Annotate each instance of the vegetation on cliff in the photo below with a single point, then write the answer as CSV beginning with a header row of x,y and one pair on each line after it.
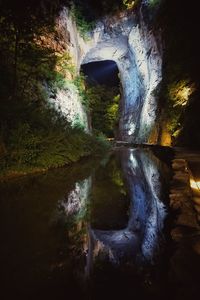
x,y
32,134
180,88
104,108
88,11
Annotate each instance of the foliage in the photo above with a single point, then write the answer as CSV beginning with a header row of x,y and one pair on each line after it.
x,y
179,92
112,114
130,4
64,64
79,82
154,3
84,26
90,11
62,76
93,9
178,95
181,70
44,140
32,134
78,123
103,104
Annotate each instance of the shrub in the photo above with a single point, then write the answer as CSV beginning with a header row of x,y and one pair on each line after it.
x,y
84,26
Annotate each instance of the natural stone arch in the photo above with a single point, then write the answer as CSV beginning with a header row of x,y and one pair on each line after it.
x,y
117,50
137,51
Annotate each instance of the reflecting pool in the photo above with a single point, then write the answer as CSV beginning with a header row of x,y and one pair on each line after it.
x,y
95,230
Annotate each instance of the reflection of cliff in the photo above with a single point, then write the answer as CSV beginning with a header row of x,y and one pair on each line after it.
x,y
76,200
141,238
147,211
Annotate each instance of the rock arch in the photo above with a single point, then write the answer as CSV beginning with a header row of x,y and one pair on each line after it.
x,y
137,51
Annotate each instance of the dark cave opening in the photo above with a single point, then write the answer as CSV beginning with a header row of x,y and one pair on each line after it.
x,y
103,92
101,72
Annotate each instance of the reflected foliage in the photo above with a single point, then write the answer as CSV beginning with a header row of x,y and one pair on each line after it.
x,y
109,210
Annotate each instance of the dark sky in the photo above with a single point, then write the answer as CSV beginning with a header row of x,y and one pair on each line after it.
x,y
102,72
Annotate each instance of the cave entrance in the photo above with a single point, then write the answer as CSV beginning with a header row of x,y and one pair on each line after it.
x,y
103,93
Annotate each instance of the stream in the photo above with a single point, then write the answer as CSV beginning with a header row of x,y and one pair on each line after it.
x,y
94,230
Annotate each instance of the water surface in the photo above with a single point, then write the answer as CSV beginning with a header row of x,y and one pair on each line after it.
x,y
91,231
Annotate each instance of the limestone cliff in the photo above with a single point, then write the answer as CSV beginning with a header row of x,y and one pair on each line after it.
x,y
129,40
67,40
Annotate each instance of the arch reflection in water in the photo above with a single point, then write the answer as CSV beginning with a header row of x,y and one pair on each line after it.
x,y
138,240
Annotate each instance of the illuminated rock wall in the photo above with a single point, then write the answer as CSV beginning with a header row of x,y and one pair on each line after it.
x,y
137,52
136,49
145,49
68,100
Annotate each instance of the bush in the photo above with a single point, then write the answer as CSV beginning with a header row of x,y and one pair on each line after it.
x,y
84,26
103,105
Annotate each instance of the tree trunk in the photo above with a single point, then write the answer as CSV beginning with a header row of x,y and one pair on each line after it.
x,y
15,62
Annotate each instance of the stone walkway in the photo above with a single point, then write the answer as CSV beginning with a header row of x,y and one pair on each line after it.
x,y
184,263
193,163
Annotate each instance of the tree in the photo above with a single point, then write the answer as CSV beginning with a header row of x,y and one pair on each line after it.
x,y
104,108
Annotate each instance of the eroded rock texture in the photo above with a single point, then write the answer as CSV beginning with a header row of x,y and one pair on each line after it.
x,y
129,41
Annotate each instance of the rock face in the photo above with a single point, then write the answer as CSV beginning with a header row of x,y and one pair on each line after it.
x,y
68,100
127,40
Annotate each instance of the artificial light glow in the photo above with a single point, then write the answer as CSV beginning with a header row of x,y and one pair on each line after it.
x,y
181,92
195,185
184,94
129,4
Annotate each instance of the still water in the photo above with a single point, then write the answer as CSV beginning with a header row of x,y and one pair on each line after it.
x,y
96,230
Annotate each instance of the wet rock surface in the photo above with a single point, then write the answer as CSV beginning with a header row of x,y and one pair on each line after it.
x,y
185,232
